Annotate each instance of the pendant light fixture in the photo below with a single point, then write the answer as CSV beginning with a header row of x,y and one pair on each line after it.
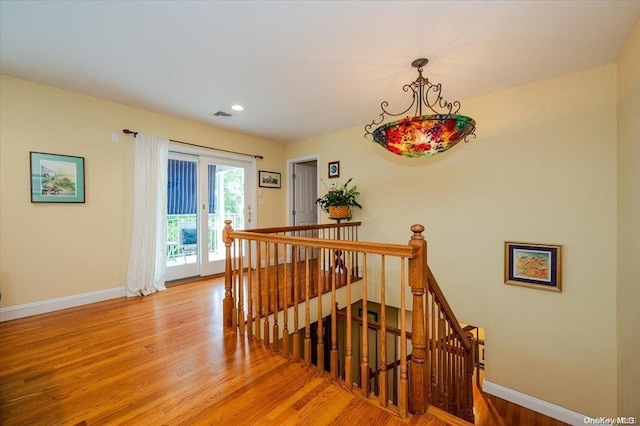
x,y
422,135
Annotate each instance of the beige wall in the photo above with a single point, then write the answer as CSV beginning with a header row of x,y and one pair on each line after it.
x,y
543,169
55,250
629,226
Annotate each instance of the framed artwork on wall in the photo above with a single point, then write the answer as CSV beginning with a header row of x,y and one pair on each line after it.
x,y
533,265
334,169
371,315
56,178
268,179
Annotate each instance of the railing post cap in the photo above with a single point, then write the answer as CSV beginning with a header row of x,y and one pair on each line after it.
x,y
417,230
227,221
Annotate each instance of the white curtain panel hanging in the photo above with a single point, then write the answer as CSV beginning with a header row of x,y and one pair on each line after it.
x,y
147,257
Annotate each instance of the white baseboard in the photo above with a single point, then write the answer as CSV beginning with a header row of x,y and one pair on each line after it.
x,y
535,404
29,309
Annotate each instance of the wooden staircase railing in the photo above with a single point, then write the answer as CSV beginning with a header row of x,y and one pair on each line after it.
x,y
276,300
451,357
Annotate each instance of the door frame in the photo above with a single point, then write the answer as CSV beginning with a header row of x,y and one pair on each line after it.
x,y
251,183
291,187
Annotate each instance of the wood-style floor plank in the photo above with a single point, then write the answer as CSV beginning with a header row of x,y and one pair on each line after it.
x,y
166,359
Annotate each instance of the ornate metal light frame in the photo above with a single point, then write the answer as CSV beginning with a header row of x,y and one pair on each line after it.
x,y
422,135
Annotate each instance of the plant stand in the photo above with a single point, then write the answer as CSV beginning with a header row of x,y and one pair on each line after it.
x,y
338,262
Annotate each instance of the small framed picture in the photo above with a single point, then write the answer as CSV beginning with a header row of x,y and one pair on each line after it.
x,y
269,179
334,169
533,265
371,315
56,178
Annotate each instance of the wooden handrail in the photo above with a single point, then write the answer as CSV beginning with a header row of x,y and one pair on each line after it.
x,y
438,296
439,369
303,227
357,246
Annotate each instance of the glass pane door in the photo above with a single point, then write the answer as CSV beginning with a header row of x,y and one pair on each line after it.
x,y
182,217
203,191
225,199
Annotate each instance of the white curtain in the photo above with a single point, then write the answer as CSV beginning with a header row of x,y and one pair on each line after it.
x,y
147,255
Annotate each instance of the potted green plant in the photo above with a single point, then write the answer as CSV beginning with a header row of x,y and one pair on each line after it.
x,y
338,202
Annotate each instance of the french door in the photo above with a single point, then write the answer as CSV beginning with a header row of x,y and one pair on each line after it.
x,y
203,191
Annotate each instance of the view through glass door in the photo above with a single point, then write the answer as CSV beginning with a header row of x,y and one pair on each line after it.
x,y
202,192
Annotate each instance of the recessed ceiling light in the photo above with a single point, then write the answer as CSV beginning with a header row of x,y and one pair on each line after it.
x,y
237,107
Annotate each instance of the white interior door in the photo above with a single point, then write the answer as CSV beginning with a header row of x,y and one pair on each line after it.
x,y
304,196
305,193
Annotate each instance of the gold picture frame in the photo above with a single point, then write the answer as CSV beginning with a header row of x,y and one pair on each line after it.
x,y
533,265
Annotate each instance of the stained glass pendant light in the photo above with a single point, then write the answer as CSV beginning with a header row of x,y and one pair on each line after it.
x,y
422,135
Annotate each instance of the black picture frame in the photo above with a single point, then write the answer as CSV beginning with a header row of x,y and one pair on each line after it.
x,y
533,265
333,171
267,179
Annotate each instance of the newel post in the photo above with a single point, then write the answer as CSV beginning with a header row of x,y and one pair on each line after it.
x,y
227,302
418,401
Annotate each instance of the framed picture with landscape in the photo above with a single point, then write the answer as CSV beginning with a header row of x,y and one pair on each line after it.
x,y
533,265
56,178
268,179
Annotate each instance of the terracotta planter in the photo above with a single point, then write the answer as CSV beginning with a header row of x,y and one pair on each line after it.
x,y
338,212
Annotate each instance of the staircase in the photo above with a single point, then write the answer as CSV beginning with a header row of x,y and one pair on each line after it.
x,y
291,279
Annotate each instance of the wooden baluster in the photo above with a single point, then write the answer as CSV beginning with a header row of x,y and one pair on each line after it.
x,y
227,302
321,265
320,334
453,390
356,266
461,375
468,383
338,263
348,361
447,365
395,375
266,339
382,387
403,388
285,330
333,359
251,292
441,360
259,318
276,327
457,375
364,366
307,322
417,281
432,354
296,299
241,317
316,286
234,318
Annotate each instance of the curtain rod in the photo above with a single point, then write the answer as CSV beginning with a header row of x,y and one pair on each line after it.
x,y
134,133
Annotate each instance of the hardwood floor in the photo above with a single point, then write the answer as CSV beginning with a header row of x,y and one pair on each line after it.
x,y
165,359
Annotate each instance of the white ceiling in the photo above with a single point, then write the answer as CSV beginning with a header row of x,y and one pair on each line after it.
x,y
301,68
